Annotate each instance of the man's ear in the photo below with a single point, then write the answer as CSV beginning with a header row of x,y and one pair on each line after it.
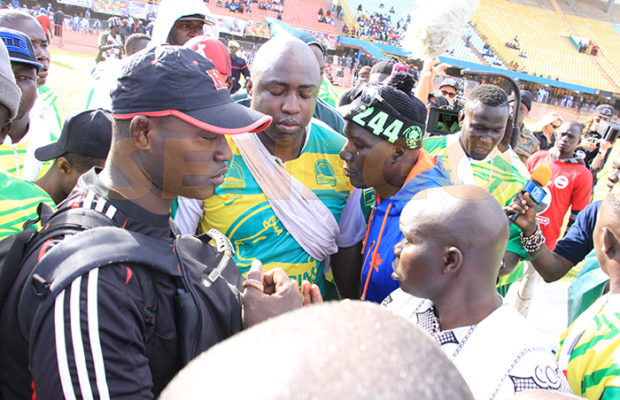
x,y
611,245
141,132
64,166
398,154
453,260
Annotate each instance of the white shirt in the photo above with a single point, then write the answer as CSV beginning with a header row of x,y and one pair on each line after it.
x,y
498,357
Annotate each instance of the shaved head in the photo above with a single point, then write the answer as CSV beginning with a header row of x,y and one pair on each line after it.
x,y
330,351
454,241
285,50
465,216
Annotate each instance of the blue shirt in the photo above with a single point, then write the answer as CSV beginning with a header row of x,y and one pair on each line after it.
x,y
384,229
238,67
578,241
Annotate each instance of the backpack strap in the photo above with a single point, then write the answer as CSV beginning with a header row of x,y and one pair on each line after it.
x,y
17,248
67,261
65,222
150,299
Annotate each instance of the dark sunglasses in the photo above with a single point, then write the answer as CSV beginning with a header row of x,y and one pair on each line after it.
x,y
445,93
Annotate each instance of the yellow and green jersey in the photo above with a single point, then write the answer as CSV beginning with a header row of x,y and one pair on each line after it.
x,y
18,203
44,128
589,351
327,93
240,209
497,174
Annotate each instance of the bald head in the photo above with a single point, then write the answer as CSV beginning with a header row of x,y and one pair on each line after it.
x,y
285,51
319,352
464,215
454,241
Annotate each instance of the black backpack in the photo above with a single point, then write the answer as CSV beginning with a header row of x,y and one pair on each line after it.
x,y
15,249
208,299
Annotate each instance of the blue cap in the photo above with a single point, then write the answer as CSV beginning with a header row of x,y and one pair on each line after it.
x,y
19,47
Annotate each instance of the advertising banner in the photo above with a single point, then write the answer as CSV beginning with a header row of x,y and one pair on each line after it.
x,y
231,25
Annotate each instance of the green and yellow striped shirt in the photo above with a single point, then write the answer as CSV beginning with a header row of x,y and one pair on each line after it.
x,y
589,351
18,203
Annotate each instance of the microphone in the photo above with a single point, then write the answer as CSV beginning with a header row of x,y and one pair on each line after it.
x,y
540,177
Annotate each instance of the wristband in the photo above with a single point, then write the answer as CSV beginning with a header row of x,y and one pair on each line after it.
x,y
533,244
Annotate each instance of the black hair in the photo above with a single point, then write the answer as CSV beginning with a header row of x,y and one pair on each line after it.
x,y
82,163
134,38
402,81
579,125
489,95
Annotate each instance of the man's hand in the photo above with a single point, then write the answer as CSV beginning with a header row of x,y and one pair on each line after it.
x,y
311,293
270,294
525,207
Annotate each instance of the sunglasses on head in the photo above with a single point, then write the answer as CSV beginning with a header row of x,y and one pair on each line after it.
x,y
445,93
371,95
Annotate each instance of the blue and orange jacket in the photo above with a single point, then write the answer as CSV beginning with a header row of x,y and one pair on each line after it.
x,y
384,230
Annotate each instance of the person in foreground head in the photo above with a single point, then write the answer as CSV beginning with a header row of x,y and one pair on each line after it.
x,y
383,152
472,157
447,265
286,199
403,364
170,143
591,345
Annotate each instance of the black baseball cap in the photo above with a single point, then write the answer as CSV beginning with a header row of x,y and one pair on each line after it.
x,y
526,99
88,133
19,47
176,81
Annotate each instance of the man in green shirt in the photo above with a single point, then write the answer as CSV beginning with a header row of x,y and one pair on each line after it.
x,y
18,198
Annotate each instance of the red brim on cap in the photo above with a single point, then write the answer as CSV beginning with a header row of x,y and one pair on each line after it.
x,y
231,118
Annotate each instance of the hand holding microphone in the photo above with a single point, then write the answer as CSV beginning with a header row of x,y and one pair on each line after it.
x,y
534,188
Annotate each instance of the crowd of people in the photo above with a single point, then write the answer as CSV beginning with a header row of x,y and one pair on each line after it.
x,y
176,222
377,25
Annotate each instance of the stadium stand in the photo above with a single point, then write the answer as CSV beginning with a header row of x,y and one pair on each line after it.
x,y
462,52
543,35
606,36
301,14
